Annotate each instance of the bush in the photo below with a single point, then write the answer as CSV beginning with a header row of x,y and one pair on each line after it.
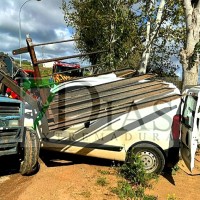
x,y
134,172
125,191
136,180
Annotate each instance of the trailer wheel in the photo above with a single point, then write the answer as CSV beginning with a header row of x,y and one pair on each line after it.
x,y
151,156
29,154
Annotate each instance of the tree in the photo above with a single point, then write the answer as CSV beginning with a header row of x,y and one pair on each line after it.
x,y
190,52
151,33
162,33
169,28
105,25
178,29
119,27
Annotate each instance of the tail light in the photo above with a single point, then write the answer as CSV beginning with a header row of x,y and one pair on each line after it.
x,y
176,127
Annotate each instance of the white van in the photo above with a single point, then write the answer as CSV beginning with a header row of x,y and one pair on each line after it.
x,y
149,126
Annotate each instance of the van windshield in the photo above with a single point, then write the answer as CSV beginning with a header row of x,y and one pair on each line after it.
x,y
189,110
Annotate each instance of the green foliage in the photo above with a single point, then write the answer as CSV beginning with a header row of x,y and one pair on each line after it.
x,y
126,191
102,181
134,172
105,25
119,28
103,172
169,40
150,197
136,180
175,169
195,54
171,197
45,72
85,194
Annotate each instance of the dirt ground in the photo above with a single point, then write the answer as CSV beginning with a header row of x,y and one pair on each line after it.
x,y
66,177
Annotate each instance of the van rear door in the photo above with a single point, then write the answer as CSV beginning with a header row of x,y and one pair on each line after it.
x,y
189,129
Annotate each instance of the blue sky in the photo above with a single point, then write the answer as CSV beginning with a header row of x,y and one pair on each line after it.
x,y
43,20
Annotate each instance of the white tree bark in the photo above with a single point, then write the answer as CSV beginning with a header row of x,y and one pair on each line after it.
x,y
190,66
150,36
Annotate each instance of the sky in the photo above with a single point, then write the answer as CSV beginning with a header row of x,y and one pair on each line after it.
x,y
42,20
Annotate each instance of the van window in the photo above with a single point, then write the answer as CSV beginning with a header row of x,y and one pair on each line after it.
x,y
189,110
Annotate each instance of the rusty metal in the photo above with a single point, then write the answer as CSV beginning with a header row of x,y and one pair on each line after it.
x,y
20,51
111,94
121,110
87,90
55,42
33,57
67,57
42,91
92,106
25,49
35,62
74,106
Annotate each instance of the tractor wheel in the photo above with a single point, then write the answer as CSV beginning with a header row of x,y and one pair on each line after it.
x,y
29,153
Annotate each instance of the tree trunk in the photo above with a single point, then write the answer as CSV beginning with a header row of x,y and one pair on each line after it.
x,y
151,36
189,55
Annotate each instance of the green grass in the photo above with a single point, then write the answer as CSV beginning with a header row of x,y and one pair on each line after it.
x,y
85,194
125,190
27,65
175,169
171,197
102,181
103,172
135,180
135,173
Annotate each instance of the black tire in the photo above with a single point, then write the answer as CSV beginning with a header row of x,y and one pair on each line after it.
x,y
29,153
152,157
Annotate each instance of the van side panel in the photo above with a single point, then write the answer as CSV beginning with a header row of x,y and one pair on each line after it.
x,y
113,136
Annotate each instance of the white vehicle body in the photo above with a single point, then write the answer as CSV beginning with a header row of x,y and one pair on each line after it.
x,y
114,137
190,126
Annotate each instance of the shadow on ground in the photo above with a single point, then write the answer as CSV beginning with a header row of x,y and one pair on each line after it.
x,y
56,159
9,165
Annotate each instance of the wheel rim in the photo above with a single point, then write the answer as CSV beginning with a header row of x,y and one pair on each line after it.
x,y
149,160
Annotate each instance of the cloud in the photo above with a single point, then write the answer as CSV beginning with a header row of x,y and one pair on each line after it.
x,y
43,20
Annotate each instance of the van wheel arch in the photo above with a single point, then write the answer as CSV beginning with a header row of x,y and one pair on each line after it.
x,y
152,155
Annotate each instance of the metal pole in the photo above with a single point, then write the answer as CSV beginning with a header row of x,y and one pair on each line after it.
x,y
20,35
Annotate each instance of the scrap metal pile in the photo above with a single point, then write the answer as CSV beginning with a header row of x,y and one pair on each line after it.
x,y
85,104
